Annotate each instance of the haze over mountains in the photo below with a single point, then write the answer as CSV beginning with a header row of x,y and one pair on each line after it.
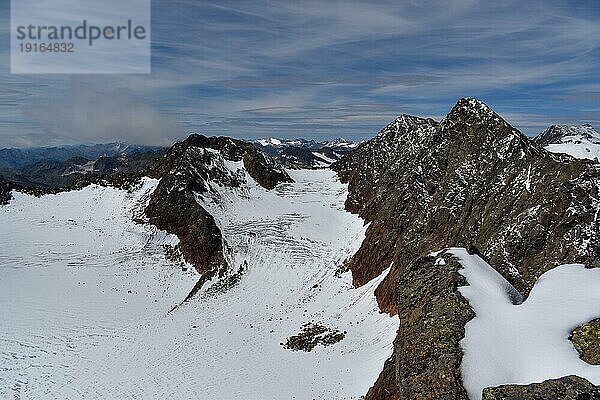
x,y
225,269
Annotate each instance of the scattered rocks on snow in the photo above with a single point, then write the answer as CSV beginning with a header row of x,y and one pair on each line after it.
x,y
312,335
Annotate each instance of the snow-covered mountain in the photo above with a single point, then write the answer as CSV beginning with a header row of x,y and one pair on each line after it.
x,y
577,141
302,153
339,143
214,272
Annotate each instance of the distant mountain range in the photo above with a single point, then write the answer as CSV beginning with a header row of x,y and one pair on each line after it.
x,y
302,153
60,166
18,158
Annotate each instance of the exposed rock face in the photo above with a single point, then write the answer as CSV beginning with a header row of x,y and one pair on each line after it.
x,y
586,340
185,172
566,388
470,181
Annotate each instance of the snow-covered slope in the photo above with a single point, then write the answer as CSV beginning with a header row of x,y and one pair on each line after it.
x,y
509,342
86,296
76,273
577,141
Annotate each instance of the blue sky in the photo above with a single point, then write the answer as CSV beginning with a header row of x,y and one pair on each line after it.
x,y
319,69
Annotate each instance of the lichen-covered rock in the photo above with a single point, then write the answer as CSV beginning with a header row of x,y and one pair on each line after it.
x,y
586,340
566,388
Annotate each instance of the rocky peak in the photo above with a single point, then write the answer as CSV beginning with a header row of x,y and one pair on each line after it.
x,y
193,154
471,108
471,123
407,122
471,181
189,169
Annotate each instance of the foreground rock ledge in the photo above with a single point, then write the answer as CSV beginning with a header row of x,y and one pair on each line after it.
x,y
427,355
566,388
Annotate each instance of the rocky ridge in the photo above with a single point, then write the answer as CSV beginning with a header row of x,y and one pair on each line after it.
x,y
470,181
568,387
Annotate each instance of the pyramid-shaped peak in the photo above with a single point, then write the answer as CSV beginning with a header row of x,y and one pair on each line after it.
x,y
472,112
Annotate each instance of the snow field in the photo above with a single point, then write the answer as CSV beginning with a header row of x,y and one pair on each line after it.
x,y
512,343
62,339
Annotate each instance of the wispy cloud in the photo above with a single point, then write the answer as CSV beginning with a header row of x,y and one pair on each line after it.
x,y
301,68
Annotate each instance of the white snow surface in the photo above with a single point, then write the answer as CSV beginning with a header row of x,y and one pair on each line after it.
x,y
524,343
70,328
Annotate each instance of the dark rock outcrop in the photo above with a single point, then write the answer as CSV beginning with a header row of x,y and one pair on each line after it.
x,y
471,181
566,388
586,340
186,171
312,335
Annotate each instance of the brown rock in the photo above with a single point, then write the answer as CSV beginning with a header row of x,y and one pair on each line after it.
x,y
586,340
